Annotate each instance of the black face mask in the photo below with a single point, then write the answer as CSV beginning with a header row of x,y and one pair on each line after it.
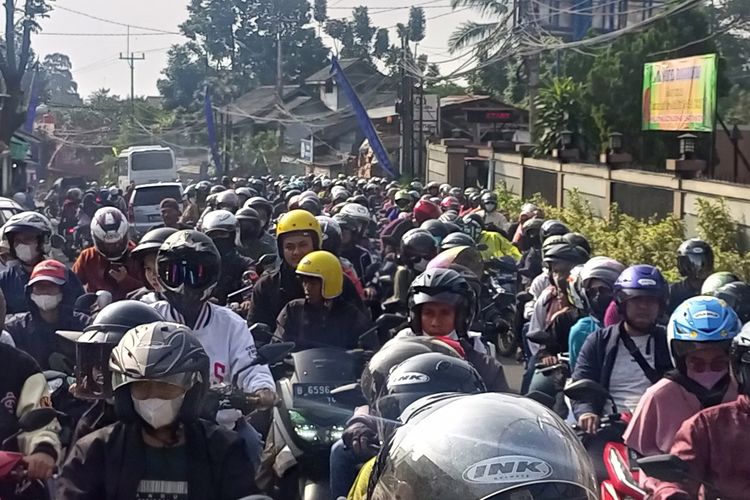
x,y
598,303
224,245
250,231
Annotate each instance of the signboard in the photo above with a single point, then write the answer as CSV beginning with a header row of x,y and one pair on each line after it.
x,y
491,115
680,94
306,150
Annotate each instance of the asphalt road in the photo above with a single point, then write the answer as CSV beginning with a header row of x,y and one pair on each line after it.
x,y
513,372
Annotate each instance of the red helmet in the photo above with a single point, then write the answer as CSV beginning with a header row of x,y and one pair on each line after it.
x,y
450,203
425,210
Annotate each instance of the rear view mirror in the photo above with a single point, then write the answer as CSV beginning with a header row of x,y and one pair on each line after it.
x,y
586,390
261,332
665,468
36,419
274,352
267,260
389,321
57,241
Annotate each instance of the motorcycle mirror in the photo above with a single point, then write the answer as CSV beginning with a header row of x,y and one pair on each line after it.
x,y
388,321
261,331
57,241
586,390
369,339
267,260
274,352
36,419
85,302
665,468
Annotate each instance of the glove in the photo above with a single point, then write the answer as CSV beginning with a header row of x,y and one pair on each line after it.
x,y
359,437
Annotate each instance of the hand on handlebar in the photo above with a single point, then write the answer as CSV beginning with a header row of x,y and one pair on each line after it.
x,y
263,398
359,437
589,422
39,466
549,361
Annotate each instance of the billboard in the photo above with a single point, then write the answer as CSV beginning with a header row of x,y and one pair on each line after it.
x,y
680,94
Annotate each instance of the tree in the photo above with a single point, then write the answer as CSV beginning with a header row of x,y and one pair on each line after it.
x,y
417,24
320,11
15,54
484,38
60,88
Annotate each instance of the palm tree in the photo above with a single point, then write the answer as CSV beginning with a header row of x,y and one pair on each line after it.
x,y
485,37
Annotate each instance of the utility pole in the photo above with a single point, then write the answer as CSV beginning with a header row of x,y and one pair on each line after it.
x,y
131,58
279,69
407,111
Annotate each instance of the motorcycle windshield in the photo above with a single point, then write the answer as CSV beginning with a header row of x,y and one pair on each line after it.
x,y
323,365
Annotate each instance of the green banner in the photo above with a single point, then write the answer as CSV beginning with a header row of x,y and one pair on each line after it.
x,y
680,94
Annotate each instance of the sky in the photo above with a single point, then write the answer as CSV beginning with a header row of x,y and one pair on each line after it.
x,y
96,61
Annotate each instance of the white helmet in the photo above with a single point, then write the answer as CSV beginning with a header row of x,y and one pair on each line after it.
x,y
109,230
219,220
28,221
357,212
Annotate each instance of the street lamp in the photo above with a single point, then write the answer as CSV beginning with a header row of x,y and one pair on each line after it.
x,y
615,142
687,146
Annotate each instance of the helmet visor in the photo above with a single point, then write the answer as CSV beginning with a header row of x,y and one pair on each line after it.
x,y
112,250
93,377
175,273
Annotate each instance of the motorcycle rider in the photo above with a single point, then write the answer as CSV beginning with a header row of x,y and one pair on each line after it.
x,y
24,389
221,226
332,243
354,220
145,253
51,309
297,234
93,347
417,249
700,333
718,280
158,447
630,356
170,215
492,218
264,209
496,246
322,318
695,261
713,441
255,242
737,296
28,235
530,244
108,264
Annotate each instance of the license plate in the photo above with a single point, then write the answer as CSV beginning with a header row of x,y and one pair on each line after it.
x,y
313,392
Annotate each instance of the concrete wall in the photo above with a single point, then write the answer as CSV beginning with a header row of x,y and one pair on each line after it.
x,y
638,193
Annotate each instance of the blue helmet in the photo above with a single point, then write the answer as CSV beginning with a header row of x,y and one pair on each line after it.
x,y
700,320
641,280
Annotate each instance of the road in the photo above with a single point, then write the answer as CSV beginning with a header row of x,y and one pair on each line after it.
x,y
513,372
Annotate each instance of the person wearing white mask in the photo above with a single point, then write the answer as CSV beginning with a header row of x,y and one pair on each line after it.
x,y
51,309
158,448
28,236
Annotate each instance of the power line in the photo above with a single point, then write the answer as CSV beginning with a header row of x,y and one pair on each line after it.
x,y
47,33
116,23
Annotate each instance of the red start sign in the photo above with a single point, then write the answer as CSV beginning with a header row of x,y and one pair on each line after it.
x,y
490,115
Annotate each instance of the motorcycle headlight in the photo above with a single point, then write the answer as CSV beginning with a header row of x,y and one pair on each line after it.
x,y
335,433
302,427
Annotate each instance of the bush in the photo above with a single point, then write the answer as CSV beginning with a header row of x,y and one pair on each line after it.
x,y
636,241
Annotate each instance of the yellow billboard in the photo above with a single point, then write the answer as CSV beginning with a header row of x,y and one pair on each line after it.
x,y
680,94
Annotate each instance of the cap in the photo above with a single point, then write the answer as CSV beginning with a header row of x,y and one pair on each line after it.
x,y
169,203
49,270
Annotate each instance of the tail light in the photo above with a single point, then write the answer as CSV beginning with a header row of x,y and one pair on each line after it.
x,y
71,230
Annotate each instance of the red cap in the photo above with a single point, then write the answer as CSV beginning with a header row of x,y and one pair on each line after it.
x,y
49,270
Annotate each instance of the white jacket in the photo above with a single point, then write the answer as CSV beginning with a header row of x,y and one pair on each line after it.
x,y
229,344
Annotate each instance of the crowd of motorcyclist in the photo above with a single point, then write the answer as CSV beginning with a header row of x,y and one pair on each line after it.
x,y
149,327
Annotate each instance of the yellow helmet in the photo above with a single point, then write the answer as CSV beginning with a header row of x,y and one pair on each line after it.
x,y
327,267
299,220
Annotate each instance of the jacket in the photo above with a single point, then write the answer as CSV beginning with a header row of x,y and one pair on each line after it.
x,y
597,358
228,343
277,288
233,265
359,258
108,464
93,270
308,326
490,369
497,246
23,388
13,282
255,249
714,444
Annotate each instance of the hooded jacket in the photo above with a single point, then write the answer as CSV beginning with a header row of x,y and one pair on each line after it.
x,y
14,279
36,337
108,464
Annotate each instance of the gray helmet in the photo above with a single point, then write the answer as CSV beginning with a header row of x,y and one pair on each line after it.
x,y
228,200
491,446
160,351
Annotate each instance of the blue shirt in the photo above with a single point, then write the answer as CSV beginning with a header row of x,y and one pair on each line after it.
x,y
577,336
14,279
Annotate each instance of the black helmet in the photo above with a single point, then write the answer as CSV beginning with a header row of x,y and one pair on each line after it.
x,y
311,204
250,223
261,205
395,351
737,296
151,241
424,375
486,445
490,197
418,244
552,227
437,229
454,240
95,343
695,258
331,234
188,264
565,252
445,286
473,225
160,351
579,240
739,356
530,233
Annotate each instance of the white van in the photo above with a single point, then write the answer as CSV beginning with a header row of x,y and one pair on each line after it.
x,y
146,164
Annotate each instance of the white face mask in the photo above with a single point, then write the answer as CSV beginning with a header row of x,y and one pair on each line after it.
x,y
26,253
158,412
46,302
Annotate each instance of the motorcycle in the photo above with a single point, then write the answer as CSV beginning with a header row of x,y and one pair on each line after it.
x,y
615,465
498,305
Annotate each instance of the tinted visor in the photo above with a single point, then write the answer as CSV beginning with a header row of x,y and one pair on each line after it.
x,y
93,378
175,273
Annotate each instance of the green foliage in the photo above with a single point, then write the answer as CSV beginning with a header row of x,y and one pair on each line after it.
x,y
559,107
636,241
417,24
257,155
320,11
